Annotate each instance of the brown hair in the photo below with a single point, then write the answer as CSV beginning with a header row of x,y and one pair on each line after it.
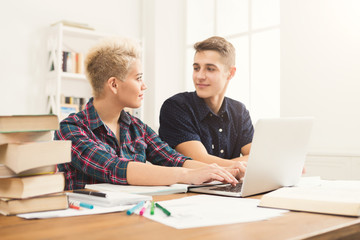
x,y
220,45
111,57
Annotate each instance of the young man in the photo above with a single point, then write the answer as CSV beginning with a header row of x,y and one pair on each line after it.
x,y
205,124
109,145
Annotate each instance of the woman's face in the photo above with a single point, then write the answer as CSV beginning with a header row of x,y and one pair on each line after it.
x,y
131,91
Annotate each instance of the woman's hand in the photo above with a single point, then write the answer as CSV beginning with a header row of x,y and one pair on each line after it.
x,y
212,172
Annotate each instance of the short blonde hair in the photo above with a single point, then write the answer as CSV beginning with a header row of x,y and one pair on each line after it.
x,y
111,57
220,45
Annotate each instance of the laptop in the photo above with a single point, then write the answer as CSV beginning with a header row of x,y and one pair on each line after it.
x,y
276,159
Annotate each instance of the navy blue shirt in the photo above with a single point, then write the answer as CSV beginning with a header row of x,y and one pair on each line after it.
x,y
186,117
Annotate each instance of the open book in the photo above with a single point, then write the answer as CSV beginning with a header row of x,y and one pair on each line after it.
x,y
109,199
146,190
331,197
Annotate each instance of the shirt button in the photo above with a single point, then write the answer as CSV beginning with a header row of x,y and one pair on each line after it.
x,y
210,115
221,151
220,129
212,146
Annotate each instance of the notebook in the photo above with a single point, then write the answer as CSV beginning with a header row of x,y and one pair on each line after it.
x,y
276,159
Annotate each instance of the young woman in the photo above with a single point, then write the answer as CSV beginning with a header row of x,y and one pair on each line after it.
x,y
110,145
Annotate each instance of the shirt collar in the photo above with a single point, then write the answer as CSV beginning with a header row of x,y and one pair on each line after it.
x,y
204,110
95,120
92,115
124,117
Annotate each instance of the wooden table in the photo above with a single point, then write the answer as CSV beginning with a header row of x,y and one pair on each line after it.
x,y
292,225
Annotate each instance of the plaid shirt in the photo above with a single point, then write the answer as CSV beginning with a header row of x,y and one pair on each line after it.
x,y
96,154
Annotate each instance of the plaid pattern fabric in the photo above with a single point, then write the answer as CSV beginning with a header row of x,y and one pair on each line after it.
x,y
97,156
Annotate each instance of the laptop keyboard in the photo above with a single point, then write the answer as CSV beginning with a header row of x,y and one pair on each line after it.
x,y
229,188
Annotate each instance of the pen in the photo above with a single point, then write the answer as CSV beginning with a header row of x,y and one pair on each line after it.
x,y
163,209
131,210
74,207
81,204
152,208
97,194
144,208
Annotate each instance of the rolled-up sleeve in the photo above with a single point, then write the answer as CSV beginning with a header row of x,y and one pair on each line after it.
x,y
160,153
176,124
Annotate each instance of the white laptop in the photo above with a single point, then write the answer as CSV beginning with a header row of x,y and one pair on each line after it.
x,y
276,159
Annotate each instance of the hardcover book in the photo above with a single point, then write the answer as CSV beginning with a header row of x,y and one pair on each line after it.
x,y
24,156
31,136
315,199
24,123
6,172
35,204
25,187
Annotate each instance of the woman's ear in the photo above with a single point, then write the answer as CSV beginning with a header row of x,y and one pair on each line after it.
x,y
112,85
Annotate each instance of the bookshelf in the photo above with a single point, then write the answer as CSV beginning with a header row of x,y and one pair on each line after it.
x,y
67,88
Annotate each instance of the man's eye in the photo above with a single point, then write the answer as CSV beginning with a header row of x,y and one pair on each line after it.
x,y
211,69
196,69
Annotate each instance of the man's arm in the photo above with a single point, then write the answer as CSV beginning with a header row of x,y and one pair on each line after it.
x,y
196,150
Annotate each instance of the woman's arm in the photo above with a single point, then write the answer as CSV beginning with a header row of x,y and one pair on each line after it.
x,y
192,172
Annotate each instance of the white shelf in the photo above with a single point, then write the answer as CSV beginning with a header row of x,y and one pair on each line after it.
x,y
74,76
67,39
59,84
83,33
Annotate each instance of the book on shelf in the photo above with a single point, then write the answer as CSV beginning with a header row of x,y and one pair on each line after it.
x,y
57,201
31,186
25,123
70,104
66,109
318,199
24,156
30,136
6,172
109,199
72,62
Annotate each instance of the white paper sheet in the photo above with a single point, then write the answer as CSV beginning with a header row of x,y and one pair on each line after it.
x,y
145,190
73,212
206,210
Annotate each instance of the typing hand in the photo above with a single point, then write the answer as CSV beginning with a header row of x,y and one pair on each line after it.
x,y
240,167
212,172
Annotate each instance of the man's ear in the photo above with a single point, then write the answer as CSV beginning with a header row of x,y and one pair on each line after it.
x,y
232,72
112,85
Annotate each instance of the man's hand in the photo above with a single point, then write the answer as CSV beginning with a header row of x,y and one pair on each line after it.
x,y
240,167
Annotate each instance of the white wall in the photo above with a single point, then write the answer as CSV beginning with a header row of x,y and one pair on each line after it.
x,y
23,55
159,23
320,70
320,77
164,40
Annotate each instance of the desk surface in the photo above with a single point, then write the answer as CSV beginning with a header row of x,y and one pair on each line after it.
x,y
292,225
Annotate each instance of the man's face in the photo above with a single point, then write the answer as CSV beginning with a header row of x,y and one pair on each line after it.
x,y
210,75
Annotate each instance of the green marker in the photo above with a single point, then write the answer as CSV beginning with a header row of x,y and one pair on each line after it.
x,y
152,208
163,209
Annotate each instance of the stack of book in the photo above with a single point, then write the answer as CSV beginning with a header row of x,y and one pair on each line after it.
x,y
73,62
28,159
